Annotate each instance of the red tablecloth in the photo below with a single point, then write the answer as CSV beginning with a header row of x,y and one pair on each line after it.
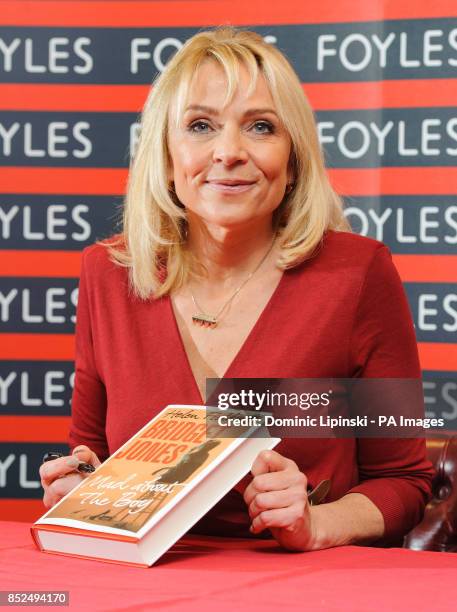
x,y
207,573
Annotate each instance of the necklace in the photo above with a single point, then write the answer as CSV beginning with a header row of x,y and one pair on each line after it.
x,y
207,320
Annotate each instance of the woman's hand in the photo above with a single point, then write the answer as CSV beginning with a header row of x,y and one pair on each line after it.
x,y
277,499
60,476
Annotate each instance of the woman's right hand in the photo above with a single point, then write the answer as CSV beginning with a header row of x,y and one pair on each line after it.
x,y
60,476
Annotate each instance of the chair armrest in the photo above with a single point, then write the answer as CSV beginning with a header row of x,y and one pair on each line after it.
x,y
438,529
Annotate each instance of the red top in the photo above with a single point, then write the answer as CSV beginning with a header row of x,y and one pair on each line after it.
x,y
343,313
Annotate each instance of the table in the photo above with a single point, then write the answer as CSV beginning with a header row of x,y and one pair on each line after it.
x,y
209,573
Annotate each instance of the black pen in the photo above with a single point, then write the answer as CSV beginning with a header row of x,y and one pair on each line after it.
x,y
82,467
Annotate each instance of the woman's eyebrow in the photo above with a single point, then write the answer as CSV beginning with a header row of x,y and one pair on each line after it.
x,y
214,111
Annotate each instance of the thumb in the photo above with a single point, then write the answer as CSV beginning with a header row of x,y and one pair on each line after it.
x,y
268,461
83,453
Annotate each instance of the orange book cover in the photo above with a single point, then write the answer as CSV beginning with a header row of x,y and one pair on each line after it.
x,y
145,478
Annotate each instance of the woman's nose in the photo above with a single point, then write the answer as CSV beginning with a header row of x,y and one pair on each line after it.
x,y
228,147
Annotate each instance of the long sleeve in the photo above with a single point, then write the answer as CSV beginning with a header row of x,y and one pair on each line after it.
x,y
394,474
130,363
88,406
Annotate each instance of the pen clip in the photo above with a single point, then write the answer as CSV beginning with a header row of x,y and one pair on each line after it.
x,y
319,493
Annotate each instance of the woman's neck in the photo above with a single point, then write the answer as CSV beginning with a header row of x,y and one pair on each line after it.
x,y
229,254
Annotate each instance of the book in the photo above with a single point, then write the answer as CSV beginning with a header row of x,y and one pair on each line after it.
x,y
155,487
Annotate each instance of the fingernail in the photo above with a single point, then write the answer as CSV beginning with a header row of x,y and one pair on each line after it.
x,y
79,450
72,461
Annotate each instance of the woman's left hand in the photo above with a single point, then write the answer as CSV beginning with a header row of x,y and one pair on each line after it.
x,y
277,499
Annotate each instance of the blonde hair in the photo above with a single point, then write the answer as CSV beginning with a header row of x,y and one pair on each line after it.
x,y
154,222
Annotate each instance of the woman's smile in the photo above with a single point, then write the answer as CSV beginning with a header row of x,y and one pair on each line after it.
x,y
230,186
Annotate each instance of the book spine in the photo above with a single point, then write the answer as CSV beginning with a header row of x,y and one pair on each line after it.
x,y
36,537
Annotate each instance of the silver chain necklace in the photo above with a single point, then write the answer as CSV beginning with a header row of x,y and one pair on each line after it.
x,y
207,320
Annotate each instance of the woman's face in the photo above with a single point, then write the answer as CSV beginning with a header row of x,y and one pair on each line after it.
x,y
229,165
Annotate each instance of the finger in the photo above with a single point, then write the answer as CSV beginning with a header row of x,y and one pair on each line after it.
x,y
60,487
274,481
57,468
283,517
84,453
270,461
277,499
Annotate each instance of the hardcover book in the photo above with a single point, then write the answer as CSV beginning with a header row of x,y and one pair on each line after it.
x,y
153,489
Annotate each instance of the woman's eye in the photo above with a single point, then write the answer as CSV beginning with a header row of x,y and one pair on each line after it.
x,y
199,127
203,127
263,127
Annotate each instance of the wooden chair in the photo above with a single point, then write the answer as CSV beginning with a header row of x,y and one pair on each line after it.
x,y
438,529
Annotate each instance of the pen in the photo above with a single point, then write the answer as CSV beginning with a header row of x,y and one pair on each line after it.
x,y
82,467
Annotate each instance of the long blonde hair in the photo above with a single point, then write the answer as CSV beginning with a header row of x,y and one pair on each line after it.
x,y
154,222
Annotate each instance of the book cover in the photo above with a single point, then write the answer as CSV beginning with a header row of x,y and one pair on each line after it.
x,y
145,478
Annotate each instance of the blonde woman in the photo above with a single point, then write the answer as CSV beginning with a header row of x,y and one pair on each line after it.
x,y
236,260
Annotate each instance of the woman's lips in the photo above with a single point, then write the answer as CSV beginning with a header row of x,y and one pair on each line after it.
x,y
225,188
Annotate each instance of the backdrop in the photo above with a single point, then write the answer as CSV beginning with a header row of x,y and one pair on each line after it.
x,y
74,75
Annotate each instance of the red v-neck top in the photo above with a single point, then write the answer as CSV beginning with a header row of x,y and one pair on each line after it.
x,y
343,313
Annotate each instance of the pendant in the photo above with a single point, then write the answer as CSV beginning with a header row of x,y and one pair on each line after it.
x,y
204,320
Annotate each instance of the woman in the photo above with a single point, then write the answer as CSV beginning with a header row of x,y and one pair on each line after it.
x,y
235,261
